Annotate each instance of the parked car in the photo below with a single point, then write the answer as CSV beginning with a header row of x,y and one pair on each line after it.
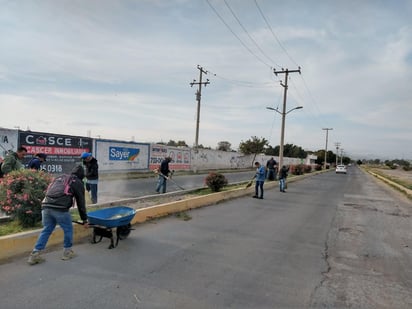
x,y
340,169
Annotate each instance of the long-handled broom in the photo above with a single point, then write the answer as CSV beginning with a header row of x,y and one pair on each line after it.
x,y
157,171
250,182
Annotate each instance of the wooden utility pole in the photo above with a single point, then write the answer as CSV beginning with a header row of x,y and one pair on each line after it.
x,y
326,147
198,97
285,86
337,152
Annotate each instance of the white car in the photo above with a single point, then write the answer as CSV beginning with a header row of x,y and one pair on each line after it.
x,y
341,169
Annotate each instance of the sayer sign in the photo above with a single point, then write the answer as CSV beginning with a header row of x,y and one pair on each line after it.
x,y
123,153
63,151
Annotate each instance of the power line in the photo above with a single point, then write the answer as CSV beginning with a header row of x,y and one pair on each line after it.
x,y
273,33
310,95
243,83
230,29
311,111
250,37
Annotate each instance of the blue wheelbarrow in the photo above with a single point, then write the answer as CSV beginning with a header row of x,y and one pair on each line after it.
x,y
103,221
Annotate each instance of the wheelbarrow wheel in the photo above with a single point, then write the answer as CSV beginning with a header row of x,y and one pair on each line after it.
x,y
123,231
96,237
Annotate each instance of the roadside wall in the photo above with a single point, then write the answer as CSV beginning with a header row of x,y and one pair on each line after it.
x,y
115,156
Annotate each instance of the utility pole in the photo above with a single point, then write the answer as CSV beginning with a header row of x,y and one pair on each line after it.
x,y
198,97
285,86
337,152
326,147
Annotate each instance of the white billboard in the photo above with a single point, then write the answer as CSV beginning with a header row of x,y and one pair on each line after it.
x,y
115,156
8,141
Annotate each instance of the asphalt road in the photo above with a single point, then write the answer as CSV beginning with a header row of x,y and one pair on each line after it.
x,y
331,241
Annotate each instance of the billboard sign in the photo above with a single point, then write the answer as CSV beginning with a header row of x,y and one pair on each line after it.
x,y
114,156
8,141
180,156
63,151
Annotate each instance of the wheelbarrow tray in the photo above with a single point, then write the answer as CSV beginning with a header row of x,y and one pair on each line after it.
x,y
111,217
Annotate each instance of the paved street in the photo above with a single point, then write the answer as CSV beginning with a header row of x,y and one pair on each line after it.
x,y
331,241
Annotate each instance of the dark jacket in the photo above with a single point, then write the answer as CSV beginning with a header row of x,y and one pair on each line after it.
x,y
92,169
283,172
271,164
34,163
65,202
164,167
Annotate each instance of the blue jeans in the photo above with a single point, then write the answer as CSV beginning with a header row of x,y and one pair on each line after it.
x,y
161,184
282,184
51,217
92,187
259,184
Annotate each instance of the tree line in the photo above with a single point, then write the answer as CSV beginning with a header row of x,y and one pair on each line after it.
x,y
256,145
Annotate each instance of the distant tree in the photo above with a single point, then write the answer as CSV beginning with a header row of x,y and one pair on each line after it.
x,y
253,146
203,147
293,151
270,151
289,150
377,161
161,143
224,146
330,157
182,143
171,143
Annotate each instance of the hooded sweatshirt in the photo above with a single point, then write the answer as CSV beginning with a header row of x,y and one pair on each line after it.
x,y
65,202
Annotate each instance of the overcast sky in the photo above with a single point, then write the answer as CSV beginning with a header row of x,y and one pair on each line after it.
x,y
122,70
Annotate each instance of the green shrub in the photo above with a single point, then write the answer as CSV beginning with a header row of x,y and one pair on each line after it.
x,y
21,194
215,181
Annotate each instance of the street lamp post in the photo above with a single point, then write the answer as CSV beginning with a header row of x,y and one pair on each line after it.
x,y
282,133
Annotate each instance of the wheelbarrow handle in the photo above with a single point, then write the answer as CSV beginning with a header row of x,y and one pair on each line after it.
x,y
78,222
82,223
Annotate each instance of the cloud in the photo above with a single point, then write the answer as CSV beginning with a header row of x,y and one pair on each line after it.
x,y
123,68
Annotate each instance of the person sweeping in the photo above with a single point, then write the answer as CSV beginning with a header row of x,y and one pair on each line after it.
x,y
260,180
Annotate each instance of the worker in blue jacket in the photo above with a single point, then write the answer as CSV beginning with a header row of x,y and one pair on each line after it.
x,y
260,180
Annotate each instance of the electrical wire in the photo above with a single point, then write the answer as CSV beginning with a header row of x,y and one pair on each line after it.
x,y
250,37
244,83
273,33
236,36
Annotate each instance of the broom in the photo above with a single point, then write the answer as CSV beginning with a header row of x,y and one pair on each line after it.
x,y
250,182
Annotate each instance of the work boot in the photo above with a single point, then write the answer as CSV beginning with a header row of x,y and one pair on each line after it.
x,y
68,254
35,258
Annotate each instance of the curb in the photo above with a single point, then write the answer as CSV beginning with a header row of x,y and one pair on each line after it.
x,y
22,243
391,183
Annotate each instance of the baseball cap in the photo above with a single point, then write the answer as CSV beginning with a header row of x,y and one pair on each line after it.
x,y
85,155
43,156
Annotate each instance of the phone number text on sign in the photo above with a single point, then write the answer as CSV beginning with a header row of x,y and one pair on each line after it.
x,y
52,168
